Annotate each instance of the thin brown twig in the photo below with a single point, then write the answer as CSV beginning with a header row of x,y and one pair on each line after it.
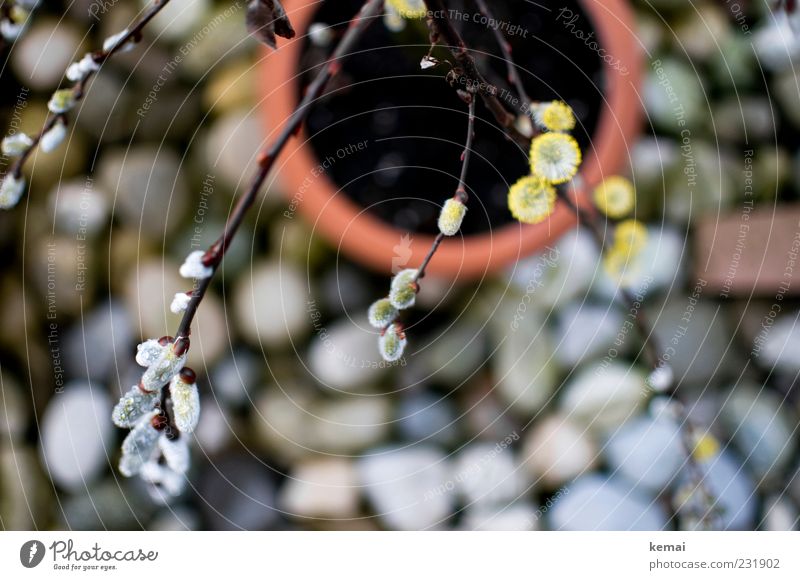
x,y
213,256
505,48
461,191
79,88
441,27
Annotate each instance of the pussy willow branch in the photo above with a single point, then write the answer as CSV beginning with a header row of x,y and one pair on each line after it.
x,y
461,191
650,346
505,48
100,56
651,352
371,10
650,341
441,27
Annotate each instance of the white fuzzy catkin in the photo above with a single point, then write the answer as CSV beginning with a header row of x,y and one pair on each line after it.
x,y
392,343
176,453
139,445
452,216
132,406
16,144
165,479
161,372
11,191
112,41
193,266
148,352
185,404
78,71
180,302
54,137
382,313
61,101
403,293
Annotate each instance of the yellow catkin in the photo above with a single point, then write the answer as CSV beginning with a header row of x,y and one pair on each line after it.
x,y
555,157
615,197
531,199
555,116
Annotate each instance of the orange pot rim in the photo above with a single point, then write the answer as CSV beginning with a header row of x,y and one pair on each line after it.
x,y
373,242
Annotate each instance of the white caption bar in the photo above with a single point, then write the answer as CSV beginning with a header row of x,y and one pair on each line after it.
x,y
389,555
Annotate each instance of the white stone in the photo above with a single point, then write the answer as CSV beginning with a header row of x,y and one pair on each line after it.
x,y
523,365
780,348
177,21
455,355
43,53
321,488
694,337
236,376
559,273
409,489
280,419
146,188
488,473
76,434
657,266
346,357
557,449
351,424
232,146
78,207
779,515
595,503
214,429
423,416
585,331
647,452
604,396
761,428
270,304
516,517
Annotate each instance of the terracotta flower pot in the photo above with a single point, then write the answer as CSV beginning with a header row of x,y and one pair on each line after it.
x,y
373,242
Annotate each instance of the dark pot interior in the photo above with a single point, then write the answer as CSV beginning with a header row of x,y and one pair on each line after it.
x,y
414,124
